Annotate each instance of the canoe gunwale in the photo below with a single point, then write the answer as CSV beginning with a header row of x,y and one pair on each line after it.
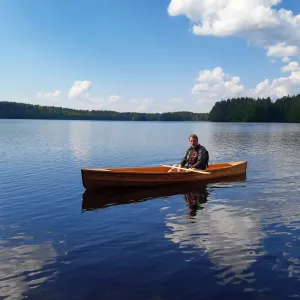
x,y
119,171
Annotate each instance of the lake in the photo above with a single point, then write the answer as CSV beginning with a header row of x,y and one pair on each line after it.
x,y
228,239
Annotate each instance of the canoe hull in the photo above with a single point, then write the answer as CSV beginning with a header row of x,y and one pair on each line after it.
x,y
94,179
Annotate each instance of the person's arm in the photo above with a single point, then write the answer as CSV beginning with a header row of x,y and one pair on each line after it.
x,y
184,160
201,158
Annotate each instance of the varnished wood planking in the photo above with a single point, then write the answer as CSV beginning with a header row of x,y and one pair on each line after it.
x,y
143,176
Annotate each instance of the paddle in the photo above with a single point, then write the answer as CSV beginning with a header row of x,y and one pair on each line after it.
x,y
188,170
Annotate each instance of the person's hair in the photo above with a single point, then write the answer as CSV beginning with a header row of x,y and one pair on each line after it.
x,y
193,136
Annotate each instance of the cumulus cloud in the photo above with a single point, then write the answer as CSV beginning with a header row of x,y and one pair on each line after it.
x,y
291,67
79,90
114,98
285,59
215,85
258,21
282,50
54,96
279,87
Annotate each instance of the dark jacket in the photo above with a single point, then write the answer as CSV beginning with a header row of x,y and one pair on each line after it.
x,y
196,158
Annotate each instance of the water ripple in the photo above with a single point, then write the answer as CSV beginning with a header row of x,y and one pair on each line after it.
x,y
240,238
21,268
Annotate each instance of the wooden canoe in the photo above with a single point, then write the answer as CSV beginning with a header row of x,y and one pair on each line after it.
x,y
94,179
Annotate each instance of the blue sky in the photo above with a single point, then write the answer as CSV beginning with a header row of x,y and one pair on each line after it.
x,y
145,55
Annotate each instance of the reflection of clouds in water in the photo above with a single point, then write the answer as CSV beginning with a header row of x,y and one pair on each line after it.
x,y
230,235
80,139
280,210
293,268
21,266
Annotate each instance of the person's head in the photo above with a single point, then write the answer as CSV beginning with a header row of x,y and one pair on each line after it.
x,y
193,140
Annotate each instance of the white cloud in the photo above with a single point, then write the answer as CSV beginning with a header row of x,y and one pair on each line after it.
x,y
114,98
79,90
282,50
257,21
279,87
54,96
215,85
285,59
291,67
212,85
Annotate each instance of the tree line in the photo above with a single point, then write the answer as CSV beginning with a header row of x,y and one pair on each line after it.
x,y
285,109
13,110
244,109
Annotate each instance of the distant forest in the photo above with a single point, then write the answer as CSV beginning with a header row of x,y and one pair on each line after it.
x,y
13,110
285,109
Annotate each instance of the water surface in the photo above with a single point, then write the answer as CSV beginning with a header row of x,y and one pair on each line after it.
x,y
229,239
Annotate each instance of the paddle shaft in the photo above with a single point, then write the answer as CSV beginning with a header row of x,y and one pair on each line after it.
x,y
187,170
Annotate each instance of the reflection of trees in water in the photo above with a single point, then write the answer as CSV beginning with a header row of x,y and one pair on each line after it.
x,y
21,268
231,237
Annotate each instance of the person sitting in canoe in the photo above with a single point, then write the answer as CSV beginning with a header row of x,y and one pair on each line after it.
x,y
196,156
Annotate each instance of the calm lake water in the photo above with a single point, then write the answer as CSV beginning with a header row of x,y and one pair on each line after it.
x,y
232,239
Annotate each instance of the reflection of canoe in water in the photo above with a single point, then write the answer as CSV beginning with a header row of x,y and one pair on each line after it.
x,y
124,195
154,176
